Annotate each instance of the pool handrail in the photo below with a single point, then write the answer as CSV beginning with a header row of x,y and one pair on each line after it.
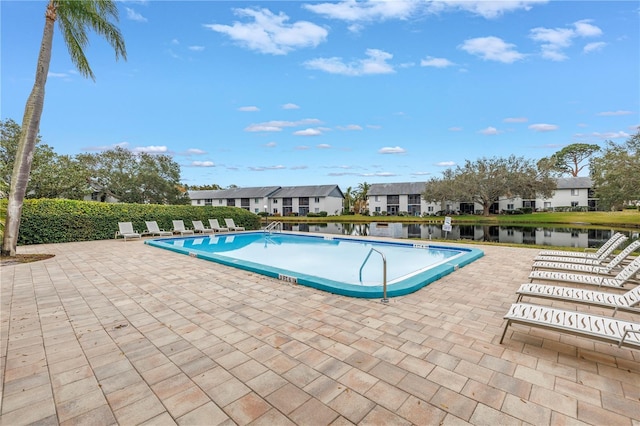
x,y
384,272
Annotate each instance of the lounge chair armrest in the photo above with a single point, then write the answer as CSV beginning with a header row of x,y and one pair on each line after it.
x,y
626,332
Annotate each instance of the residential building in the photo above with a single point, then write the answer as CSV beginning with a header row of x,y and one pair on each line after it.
x,y
406,198
395,198
282,200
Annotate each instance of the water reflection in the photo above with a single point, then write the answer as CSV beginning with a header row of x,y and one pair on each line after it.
x,y
526,235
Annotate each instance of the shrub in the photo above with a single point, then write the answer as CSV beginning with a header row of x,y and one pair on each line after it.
x,y
57,220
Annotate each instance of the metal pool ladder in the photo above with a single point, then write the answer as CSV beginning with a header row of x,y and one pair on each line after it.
x,y
272,226
384,272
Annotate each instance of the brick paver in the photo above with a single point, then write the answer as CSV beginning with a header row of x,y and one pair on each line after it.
x,y
109,332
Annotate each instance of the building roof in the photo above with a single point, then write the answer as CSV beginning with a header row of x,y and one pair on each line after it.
x,y
255,192
308,191
574,183
396,188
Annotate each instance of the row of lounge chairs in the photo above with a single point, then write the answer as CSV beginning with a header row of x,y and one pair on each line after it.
x,y
126,231
611,276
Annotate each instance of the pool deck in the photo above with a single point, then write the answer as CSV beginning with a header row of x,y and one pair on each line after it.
x,y
109,332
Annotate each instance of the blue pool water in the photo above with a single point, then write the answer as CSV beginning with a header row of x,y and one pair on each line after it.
x,y
328,263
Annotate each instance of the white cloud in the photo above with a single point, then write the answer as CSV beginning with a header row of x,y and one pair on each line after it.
x,y
302,148
271,145
455,129
298,167
490,131
484,8
203,164
379,174
376,10
541,127
612,135
492,49
57,74
263,168
614,113
350,127
555,40
436,62
134,16
594,47
323,146
308,132
195,151
375,63
515,120
445,163
353,11
270,33
420,173
277,126
151,149
392,150
249,109
196,48
290,106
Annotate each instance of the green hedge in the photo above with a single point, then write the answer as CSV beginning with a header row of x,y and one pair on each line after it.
x,y
59,221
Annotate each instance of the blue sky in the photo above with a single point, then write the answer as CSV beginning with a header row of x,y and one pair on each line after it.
x,y
302,93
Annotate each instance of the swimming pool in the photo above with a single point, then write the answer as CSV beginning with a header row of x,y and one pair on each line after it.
x,y
328,263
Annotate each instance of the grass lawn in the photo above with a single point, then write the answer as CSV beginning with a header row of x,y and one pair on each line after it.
x,y
623,219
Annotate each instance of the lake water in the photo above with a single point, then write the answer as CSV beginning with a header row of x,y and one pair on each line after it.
x,y
561,236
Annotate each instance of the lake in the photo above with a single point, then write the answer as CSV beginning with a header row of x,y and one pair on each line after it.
x,y
561,236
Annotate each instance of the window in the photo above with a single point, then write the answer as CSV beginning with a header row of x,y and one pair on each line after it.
x,y
377,198
231,202
430,208
316,210
317,199
575,192
509,206
220,201
574,204
275,202
256,200
547,204
256,210
377,208
199,201
208,202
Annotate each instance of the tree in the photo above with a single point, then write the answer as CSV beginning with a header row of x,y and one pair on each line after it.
x,y
568,160
136,178
208,187
361,197
74,19
486,180
348,199
616,173
51,176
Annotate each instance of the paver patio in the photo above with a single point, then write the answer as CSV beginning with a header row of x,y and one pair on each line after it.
x,y
109,332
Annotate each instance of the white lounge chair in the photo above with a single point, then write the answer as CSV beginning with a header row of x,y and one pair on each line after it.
x,y
232,226
178,228
213,223
199,227
125,230
154,229
602,253
596,327
626,301
604,269
616,281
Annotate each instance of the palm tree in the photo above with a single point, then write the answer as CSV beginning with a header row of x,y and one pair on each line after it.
x,y
348,199
362,197
74,19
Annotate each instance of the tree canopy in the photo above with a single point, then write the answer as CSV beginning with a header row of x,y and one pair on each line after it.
x,y
616,173
136,177
51,176
485,180
572,159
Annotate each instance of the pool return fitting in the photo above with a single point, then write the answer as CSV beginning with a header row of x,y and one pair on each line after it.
x,y
384,272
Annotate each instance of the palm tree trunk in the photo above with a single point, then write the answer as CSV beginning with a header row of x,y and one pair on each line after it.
x,y
28,138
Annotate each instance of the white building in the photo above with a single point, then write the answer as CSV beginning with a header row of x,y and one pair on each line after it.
x,y
406,198
282,200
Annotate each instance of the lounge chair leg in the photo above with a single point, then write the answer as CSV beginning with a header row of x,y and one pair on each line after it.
x,y
505,331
